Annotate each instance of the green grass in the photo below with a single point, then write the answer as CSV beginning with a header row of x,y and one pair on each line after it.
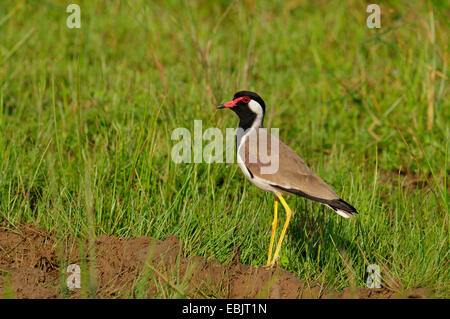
x,y
86,117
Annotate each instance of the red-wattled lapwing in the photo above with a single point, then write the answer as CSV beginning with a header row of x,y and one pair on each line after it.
x,y
292,176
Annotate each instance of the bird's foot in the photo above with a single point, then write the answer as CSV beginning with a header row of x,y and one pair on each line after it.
x,y
271,265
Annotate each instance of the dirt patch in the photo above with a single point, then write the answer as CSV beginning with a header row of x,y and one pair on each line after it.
x,y
33,264
405,179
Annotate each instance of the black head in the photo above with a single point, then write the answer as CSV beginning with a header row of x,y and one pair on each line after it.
x,y
250,108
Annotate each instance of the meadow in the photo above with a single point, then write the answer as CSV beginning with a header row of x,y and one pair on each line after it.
x,y
86,117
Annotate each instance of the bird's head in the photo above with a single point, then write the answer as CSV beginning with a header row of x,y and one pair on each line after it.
x,y
249,106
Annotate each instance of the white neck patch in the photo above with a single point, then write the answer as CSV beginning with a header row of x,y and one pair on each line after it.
x,y
256,108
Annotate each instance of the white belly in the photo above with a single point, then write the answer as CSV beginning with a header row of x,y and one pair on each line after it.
x,y
255,180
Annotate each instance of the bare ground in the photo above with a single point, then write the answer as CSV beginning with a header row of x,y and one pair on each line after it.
x,y
33,264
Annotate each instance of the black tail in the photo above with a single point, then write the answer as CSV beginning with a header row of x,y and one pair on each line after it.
x,y
339,204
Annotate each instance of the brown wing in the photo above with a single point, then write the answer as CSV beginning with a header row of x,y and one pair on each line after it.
x,y
292,174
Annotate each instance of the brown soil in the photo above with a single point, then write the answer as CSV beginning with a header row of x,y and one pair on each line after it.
x,y
30,267
405,179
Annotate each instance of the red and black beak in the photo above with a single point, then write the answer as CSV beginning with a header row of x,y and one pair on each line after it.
x,y
229,104
232,103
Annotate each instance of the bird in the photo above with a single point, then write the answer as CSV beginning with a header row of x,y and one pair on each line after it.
x,y
291,176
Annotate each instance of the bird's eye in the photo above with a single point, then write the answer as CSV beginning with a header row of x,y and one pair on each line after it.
x,y
246,99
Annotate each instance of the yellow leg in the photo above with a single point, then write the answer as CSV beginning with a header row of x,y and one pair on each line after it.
x,y
283,232
274,229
